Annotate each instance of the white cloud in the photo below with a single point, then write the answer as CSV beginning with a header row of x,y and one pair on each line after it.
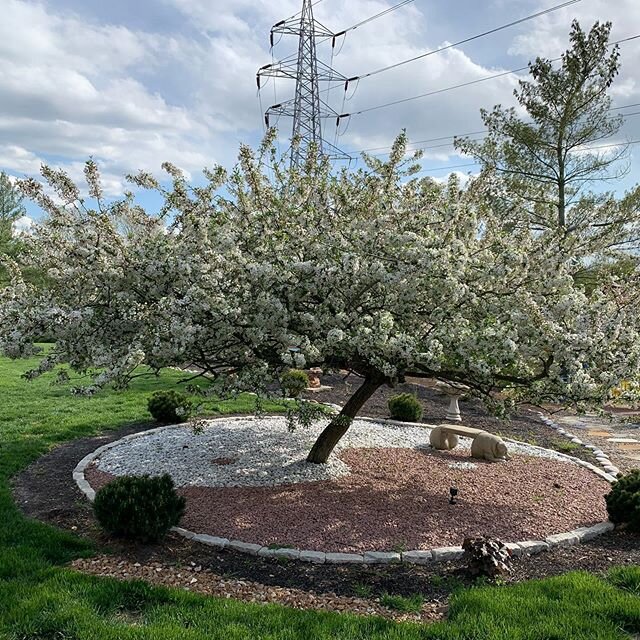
x,y
23,225
185,91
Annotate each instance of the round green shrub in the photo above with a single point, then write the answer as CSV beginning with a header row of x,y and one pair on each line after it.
x,y
623,503
139,508
170,406
294,382
405,407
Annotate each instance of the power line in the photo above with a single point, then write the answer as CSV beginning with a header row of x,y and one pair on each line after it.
x,y
371,18
432,93
458,86
474,133
464,135
464,41
477,164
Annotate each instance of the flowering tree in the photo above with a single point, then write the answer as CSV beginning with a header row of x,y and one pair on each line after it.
x,y
374,271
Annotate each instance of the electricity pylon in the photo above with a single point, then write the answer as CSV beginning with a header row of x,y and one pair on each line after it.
x,y
307,107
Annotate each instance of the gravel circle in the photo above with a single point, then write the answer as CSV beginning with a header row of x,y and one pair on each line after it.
x,y
252,452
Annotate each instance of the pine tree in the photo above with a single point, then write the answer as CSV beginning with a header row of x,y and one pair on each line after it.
x,y
11,209
547,159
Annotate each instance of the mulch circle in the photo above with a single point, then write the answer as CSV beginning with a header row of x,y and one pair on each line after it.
x,y
46,491
398,499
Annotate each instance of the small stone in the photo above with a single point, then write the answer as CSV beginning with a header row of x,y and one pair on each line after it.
x,y
576,440
417,557
562,539
290,554
212,541
533,547
441,554
344,558
317,557
381,557
589,533
514,548
244,547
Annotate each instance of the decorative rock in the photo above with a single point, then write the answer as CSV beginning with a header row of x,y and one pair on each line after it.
x,y
317,557
533,547
212,541
417,557
447,553
514,548
184,533
576,440
244,547
589,533
344,558
265,552
562,539
289,554
381,557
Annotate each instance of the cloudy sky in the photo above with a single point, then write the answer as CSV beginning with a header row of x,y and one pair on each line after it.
x,y
135,83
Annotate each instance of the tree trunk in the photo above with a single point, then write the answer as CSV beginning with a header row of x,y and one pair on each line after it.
x,y
330,437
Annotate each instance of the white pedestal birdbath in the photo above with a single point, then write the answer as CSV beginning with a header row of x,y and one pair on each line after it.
x,y
454,392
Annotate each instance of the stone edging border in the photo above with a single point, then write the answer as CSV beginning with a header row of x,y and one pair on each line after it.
x,y
416,556
601,456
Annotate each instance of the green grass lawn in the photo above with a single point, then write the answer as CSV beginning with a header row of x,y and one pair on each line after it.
x,y
42,600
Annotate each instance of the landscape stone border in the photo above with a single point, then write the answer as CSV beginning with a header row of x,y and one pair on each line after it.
x,y
414,556
601,456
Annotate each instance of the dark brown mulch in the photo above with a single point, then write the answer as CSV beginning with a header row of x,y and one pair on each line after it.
x,y
46,491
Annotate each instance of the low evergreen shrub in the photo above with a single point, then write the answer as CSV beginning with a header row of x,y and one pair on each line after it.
x,y
170,406
294,382
405,407
623,502
139,508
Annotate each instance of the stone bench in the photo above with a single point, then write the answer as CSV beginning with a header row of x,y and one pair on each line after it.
x,y
484,446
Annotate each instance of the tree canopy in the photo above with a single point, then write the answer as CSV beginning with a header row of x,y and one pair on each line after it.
x,y
374,271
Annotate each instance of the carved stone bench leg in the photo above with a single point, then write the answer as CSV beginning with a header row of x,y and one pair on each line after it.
x,y
442,439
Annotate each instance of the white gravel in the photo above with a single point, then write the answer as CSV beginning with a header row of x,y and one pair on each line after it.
x,y
259,452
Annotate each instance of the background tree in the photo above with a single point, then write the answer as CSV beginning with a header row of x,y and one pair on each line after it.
x,y
11,209
375,272
547,159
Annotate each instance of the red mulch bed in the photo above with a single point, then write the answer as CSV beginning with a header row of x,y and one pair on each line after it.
x,y
398,499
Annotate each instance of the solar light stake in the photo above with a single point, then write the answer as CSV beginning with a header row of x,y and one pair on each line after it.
x,y
454,492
